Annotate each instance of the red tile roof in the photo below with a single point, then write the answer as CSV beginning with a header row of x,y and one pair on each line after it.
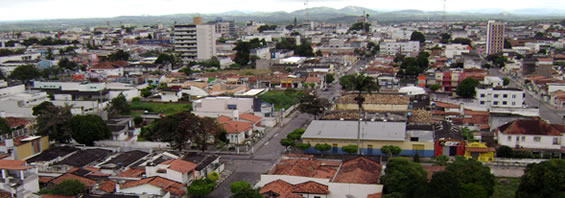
x,y
180,165
45,179
14,165
133,172
165,184
280,187
109,65
446,105
235,126
16,122
107,186
359,171
249,117
304,168
529,127
311,187
68,176
376,195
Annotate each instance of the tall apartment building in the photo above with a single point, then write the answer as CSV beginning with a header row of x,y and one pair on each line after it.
x,y
495,37
195,42
224,28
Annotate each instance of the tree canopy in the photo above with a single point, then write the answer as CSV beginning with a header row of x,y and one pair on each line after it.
x,y
359,27
312,104
65,63
242,56
417,36
201,187
25,73
267,27
119,105
444,38
53,121
351,149
86,129
504,151
466,88
184,127
391,150
545,179
4,126
65,188
464,41
403,176
444,184
481,176
119,55
238,186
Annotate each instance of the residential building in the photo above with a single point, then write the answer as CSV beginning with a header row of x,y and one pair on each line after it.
x,y
495,37
18,102
479,151
24,146
493,81
156,186
500,97
534,135
405,48
373,136
195,42
302,176
18,178
228,106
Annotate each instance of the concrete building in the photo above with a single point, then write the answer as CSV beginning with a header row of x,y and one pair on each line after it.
x,y
18,179
500,97
535,135
195,42
217,106
391,48
495,37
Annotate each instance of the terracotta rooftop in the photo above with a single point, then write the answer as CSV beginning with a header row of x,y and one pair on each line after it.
x,y
529,127
359,171
16,122
107,186
235,126
14,165
180,165
376,98
249,117
446,105
68,176
311,187
133,172
165,184
281,188
304,168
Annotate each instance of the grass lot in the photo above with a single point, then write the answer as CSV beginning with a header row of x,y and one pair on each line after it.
x,y
137,108
507,188
281,99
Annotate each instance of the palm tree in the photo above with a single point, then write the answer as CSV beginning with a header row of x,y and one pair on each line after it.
x,y
361,83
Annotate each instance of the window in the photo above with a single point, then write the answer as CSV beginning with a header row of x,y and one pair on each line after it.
x,y
232,106
513,103
317,197
513,95
556,141
505,95
482,95
495,103
517,139
504,102
523,138
510,138
414,139
495,95
537,139
482,102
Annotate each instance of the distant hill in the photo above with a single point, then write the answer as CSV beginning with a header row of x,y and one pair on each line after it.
x,y
345,15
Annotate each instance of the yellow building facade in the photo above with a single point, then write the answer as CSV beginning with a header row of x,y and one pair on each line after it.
x,y
479,151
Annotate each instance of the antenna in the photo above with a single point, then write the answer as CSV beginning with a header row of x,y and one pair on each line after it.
x,y
444,11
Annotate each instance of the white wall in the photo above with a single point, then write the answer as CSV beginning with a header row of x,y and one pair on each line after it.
x,y
206,41
217,106
151,171
546,142
495,98
141,189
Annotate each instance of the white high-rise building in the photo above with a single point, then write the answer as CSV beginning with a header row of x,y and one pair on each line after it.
x,y
495,37
195,42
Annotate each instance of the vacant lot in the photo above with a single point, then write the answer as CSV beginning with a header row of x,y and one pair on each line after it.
x,y
158,107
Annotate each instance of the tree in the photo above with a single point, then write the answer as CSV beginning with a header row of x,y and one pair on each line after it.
x,y
200,188
497,59
403,176
4,126
65,63
391,150
304,49
42,108
247,193
544,179
66,188
329,78
351,149
86,129
441,160
243,50
443,185
25,73
213,176
506,81
466,88
434,87
472,190
119,105
360,26
166,58
464,41
53,121
238,186
119,55
444,38
504,151
266,27
312,104
507,44
184,127
137,120
482,176
286,142
542,51
146,93
322,148
417,36
303,146
319,53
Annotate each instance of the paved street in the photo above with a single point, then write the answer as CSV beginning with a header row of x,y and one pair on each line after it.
x,y
547,112
250,167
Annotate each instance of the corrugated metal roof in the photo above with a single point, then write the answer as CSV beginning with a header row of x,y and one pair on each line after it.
x,y
333,129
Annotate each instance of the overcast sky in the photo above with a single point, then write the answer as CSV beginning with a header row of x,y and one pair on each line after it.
x,y
56,9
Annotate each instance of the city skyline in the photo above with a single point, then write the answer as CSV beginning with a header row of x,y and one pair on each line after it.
x,y
67,9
